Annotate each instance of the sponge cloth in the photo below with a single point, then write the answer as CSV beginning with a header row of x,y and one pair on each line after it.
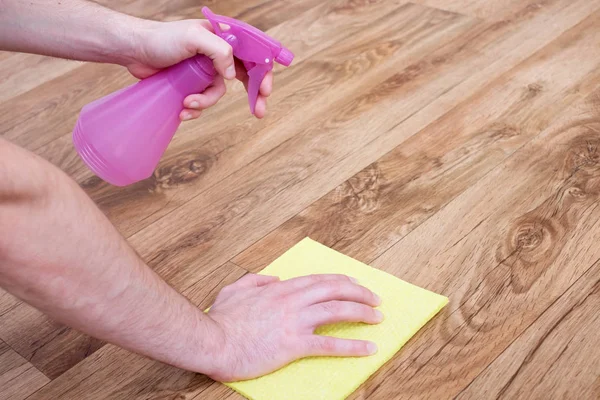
x,y
406,309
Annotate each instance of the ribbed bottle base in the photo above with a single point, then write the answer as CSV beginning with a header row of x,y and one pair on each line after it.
x,y
94,161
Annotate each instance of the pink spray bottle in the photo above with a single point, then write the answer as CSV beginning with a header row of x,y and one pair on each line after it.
x,y
122,136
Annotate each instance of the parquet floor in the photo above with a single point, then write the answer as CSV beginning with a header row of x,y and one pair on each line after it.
x,y
455,144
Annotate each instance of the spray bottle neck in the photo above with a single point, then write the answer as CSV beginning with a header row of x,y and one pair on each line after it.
x,y
192,75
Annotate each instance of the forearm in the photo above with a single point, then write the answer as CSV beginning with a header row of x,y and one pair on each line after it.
x,y
72,29
60,254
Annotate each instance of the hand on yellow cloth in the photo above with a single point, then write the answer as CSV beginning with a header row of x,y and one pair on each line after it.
x,y
266,323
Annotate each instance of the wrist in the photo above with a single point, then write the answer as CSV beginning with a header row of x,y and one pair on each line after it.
x,y
130,36
205,350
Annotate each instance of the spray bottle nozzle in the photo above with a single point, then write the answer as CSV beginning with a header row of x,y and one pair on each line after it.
x,y
254,48
285,57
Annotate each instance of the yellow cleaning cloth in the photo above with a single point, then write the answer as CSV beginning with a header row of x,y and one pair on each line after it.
x,y
406,309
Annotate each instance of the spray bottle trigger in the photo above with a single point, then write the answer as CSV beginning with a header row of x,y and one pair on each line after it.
x,y
255,78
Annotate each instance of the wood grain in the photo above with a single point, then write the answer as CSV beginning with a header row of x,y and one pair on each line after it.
x,y
20,73
505,250
49,346
372,210
557,354
7,302
490,10
453,144
18,378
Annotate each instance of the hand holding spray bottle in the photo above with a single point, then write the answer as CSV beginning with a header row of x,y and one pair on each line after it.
x,y
121,137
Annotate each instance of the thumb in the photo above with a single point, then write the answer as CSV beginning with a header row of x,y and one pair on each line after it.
x,y
217,49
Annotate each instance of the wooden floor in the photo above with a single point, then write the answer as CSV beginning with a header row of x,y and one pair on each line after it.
x,y
453,143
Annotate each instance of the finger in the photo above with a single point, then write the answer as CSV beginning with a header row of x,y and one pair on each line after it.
x,y
208,98
260,110
216,49
206,24
254,280
336,290
188,114
141,71
295,284
316,345
266,86
340,311
240,73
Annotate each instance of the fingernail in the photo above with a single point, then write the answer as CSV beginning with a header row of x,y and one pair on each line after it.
x,y
187,116
194,104
371,348
230,72
379,315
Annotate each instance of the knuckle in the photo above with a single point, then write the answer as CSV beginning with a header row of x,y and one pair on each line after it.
x,y
367,293
226,292
227,289
334,308
195,32
327,344
227,51
334,288
364,313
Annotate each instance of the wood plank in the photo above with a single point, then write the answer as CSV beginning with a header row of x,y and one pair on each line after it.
x,y
117,374
504,251
495,10
23,72
51,347
7,302
374,209
104,369
257,175
18,378
557,354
